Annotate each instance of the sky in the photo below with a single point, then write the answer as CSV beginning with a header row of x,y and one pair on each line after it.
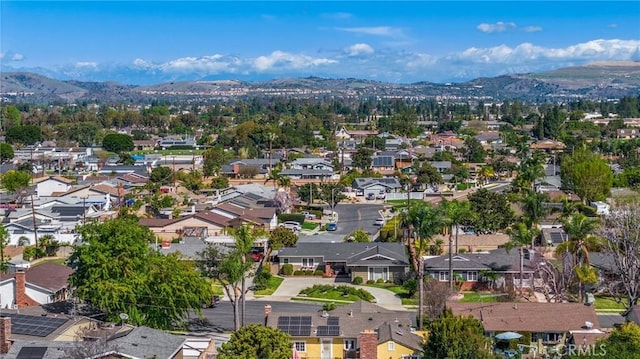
x,y
148,42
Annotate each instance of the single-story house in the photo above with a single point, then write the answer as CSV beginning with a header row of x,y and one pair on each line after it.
x,y
369,261
42,284
376,185
469,267
549,323
199,225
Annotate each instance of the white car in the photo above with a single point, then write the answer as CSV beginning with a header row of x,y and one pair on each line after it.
x,y
379,222
309,215
292,225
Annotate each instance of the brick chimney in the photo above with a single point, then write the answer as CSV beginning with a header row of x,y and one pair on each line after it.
x,y
5,334
21,298
368,340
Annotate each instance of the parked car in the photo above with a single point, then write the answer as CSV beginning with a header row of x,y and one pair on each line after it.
x,y
292,225
371,196
359,192
215,300
379,222
309,215
381,195
256,255
332,226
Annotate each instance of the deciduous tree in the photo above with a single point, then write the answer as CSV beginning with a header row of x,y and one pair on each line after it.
x,y
492,210
6,152
587,174
256,341
456,337
117,142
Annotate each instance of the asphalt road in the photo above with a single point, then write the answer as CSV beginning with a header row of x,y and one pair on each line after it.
x,y
350,218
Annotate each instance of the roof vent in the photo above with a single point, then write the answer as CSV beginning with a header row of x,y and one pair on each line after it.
x,y
588,325
324,314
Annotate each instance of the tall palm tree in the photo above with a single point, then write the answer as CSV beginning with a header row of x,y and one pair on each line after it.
x,y
520,236
425,222
580,242
456,213
244,238
485,173
532,207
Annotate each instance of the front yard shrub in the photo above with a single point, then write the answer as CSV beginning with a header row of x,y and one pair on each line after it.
x,y
287,269
318,272
337,292
371,281
261,280
380,281
308,272
298,273
357,280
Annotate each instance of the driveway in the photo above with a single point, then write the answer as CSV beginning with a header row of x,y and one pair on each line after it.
x,y
290,288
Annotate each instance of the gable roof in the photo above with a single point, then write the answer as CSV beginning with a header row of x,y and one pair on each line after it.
x,y
55,178
145,342
530,317
378,256
51,276
347,252
499,260
398,333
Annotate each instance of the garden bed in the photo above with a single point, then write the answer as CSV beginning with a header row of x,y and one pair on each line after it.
x,y
339,292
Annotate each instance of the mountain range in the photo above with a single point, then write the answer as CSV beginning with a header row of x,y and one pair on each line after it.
x,y
594,81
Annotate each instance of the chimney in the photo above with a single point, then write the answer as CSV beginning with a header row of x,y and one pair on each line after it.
x,y
368,340
21,295
5,334
267,311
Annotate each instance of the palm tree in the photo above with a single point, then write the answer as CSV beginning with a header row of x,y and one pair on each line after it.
x,y
580,242
532,206
274,176
244,238
520,236
456,213
423,222
485,173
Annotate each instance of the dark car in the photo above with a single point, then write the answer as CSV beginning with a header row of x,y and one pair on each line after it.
x,y
215,300
371,196
332,227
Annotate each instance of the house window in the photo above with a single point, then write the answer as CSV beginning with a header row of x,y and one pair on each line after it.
x,y
444,276
472,276
300,346
379,273
410,356
307,262
349,344
285,260
391,346
553,337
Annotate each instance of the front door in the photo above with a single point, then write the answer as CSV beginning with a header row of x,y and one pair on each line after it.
x,y
326,349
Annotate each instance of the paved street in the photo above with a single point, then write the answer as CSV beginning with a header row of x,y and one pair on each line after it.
x,y
350,218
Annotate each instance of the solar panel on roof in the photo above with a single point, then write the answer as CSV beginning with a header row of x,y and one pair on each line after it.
x,y
295,325
34,326
556,236
328,331
31,353
333,321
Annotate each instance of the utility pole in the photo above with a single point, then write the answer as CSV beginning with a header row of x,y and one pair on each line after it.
x,y
35,226
84,210
450,261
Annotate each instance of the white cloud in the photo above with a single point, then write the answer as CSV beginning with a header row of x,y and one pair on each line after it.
x,y
87,64
17,57
11,56
359,49
377,30
497,27
2,55
612,26
285,60
532,29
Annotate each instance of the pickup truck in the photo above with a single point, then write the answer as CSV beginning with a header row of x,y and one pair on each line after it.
x,y
309,215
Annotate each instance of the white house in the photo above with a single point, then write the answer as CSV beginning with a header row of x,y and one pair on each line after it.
x,y
601,208
53,184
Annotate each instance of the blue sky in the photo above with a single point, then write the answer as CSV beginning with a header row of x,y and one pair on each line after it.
x,y
155,41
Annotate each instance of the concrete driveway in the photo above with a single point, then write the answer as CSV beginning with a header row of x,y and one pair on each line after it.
x,y
290,288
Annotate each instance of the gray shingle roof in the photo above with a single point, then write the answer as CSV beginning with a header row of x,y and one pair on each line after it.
x,y
144,342
345,251
497,260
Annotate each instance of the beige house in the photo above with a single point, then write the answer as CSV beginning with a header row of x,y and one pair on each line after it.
x,y
200,225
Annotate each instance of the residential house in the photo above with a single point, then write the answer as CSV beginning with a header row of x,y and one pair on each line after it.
x,y
549,323
297,174
145,145
441,166
376,185
357,135
627,133
383,163
357,330
42,284
487,138
469,267
238,215
471,243
199,225
169,142
56,337
369,261
123,169
45,186
247,167
548,145
307,163
56,220
391,144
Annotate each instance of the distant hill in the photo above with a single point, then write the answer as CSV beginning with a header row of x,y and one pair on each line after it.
x,y
593,81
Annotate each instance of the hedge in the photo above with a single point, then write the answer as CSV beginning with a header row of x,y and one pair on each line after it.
x,y
296,217
287,269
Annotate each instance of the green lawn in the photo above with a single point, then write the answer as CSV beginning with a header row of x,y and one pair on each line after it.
x,y
475,297
339,292
217,288
397,289
309,226
273,284
608,303
54,260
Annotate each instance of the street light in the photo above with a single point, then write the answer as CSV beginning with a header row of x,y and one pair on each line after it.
x,y
333,203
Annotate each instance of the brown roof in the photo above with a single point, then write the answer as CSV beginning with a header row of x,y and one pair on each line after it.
x,y
49,275
547,145
214,218
133,178
531,317
103,188
484,240
157,222
586,337
55,178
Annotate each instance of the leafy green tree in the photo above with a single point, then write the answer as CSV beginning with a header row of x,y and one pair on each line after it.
x,y
332,193
117,142
256,341
358,236
281,237
27,134
492,211
14,181
457,213
161,175
473,151
426,174
362,158
116,271
220,182
6,152
587,174
456,337
11,116
213,159
309,192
